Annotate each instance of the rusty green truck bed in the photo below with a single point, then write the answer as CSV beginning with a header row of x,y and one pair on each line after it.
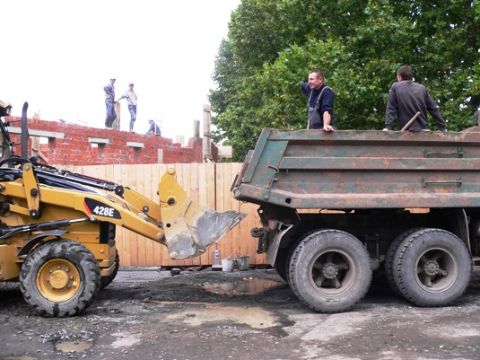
x,y
354,169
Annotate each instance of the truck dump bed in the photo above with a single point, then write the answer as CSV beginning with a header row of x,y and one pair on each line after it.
x,y
310,169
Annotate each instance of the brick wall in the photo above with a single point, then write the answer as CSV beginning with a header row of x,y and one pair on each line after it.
x,y
72,144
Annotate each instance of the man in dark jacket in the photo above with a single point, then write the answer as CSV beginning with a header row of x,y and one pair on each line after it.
x,y
406,98
320,102
109,102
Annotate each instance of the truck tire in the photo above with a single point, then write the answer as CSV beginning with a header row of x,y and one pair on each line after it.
x,y
330,271
392,249
60,278
281,264
432,267
106,280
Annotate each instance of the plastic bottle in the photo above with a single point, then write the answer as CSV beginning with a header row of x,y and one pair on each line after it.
x,y
216,258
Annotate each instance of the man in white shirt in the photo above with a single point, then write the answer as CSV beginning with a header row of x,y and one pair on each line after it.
x,y
132,104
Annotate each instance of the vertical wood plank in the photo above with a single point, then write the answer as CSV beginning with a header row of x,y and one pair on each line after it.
x,y
211,170
203,200
194,195
119,232
125,234
187,186
219,203
134,239
227,205
146,176
160,169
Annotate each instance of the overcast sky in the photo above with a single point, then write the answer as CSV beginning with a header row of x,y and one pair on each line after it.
x,y
58,55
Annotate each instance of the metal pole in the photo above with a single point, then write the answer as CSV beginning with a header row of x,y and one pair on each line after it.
x,y
24,135
411,121
207,148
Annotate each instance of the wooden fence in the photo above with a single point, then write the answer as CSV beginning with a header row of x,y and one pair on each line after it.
x,y
208,184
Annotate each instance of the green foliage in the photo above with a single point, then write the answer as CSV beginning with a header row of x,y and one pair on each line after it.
x,y
272,44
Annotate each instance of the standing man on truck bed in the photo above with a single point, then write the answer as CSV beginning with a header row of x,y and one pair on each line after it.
x,y
320,102
406,98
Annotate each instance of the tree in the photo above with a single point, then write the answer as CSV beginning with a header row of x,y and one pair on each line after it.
x,y
359,45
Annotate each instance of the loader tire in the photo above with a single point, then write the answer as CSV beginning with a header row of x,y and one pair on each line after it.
x,y
392,249
60,278
330,271
432,267
106,280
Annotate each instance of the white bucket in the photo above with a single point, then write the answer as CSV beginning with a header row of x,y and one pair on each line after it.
x,y
227,265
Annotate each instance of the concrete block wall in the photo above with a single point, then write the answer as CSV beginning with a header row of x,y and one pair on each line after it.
x,y
71,144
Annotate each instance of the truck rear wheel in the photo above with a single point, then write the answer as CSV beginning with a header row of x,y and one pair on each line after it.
x,y
392,250
330,271
281,265
60,278
106,280
432,267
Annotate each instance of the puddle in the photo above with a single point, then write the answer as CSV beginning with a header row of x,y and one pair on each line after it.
x,y
246,286
457,331
255,317
322,328
125,340
73,346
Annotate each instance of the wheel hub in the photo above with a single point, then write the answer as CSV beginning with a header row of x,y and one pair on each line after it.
x,y
431,268
59,279
330,271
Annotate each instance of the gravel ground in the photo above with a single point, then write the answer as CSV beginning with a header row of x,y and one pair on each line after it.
x,y
149,314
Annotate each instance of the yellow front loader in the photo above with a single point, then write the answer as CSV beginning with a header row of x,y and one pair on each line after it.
x,y
57,228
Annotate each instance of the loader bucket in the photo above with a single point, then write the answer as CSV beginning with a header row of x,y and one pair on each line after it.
x,y
190,228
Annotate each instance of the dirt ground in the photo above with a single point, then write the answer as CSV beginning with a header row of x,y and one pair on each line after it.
x,y
150,314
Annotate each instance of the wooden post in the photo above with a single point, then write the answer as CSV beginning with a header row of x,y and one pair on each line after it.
x,y
196,129
207,147
116,122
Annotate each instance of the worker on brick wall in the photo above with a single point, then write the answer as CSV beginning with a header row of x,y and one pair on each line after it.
x,y
153,128
131,98
109,90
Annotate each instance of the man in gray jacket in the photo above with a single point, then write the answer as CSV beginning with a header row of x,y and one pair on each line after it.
x,y
406,98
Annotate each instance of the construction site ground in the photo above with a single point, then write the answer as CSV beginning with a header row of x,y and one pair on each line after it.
x,y
202,314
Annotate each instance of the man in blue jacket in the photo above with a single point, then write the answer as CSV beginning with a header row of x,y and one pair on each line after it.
x,y
320,102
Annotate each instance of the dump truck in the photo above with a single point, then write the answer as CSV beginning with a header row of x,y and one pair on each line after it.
x,y
338,208
57,227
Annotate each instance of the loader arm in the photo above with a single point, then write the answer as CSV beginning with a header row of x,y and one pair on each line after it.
x,y
107,208
142,204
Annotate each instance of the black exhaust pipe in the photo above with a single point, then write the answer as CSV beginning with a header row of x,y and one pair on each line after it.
x,y
24,135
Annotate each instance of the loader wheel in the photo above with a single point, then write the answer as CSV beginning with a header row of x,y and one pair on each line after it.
x,y
432,267
60,278
392,249
106,280
330,271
